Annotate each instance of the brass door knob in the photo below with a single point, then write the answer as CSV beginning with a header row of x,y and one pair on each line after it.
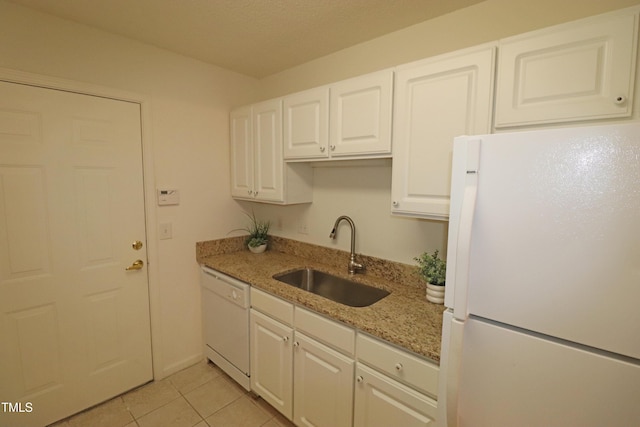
x,y
137,265
137,245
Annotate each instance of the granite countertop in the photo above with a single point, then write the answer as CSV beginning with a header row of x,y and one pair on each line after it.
x,y
404,317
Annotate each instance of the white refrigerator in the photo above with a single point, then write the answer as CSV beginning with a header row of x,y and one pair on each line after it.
x,y
542,326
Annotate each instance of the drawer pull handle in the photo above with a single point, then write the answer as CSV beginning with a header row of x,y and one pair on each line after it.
x,y
398,367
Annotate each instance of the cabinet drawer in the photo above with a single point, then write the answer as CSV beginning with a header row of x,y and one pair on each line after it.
x,y
272,306
397,364
332,333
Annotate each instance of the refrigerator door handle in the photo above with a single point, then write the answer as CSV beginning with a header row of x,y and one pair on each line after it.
x,y
462,241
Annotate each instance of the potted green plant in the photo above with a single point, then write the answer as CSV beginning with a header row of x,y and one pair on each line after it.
x,y
434,270
258,233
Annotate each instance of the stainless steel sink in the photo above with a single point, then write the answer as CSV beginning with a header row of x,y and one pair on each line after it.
x,y
332,287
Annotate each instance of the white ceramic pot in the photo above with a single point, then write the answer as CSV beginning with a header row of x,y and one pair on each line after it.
x,y
435,293
258,249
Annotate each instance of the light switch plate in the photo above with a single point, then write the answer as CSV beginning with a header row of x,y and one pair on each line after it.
x,y
165,231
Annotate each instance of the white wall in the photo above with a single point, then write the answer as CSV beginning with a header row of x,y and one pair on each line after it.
x,y
362,192
189,130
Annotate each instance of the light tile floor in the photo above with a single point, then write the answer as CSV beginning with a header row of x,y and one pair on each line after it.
x,y
199,396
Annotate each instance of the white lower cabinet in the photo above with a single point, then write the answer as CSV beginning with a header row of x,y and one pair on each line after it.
x,y
306,380
303,364
383,402
396,388
322,384
272,361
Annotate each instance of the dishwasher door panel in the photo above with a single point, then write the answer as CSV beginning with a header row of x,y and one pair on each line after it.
x,y
225,311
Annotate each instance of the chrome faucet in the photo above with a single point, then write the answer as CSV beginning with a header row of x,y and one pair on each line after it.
x,y
354,267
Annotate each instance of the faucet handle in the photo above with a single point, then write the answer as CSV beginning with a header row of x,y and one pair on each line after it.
x,y
355,267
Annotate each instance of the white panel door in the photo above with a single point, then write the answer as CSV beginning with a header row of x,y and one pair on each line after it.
x,y
576,71
74,324
267,148
323,385
383,402
241,151
435,101
272,362
360,109
306,124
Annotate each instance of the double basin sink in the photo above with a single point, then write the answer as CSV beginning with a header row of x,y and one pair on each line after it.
x,y
338,289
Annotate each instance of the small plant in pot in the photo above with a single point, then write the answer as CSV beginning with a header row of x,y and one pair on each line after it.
x,y
434,271
258,233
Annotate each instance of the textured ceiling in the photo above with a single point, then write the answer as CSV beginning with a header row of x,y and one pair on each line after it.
x,y
253,37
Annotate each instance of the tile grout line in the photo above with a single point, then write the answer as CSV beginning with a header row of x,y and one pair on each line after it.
x,y
180,395
202,419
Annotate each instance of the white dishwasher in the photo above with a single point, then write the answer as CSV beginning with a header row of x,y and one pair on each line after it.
x,y
225,312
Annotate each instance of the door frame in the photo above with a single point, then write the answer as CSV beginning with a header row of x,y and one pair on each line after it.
x,y
48,82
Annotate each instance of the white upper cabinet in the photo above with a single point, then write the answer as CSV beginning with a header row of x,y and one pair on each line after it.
x,y
349,119
258,171
583,70
306,124
436,100
267,147
241,153
360,116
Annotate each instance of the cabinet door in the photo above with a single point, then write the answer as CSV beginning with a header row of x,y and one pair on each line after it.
x,y
306,124
272,362
382,402
267,145
435,101
360,111
241,153
577,71
323,385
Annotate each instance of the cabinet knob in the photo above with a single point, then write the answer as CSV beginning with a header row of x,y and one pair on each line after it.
x,y
398,367
333,148
285,338
249,192
359,379
395,204
322,149
296,344
620,99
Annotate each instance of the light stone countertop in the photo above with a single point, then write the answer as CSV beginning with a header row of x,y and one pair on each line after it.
x,y
404,318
